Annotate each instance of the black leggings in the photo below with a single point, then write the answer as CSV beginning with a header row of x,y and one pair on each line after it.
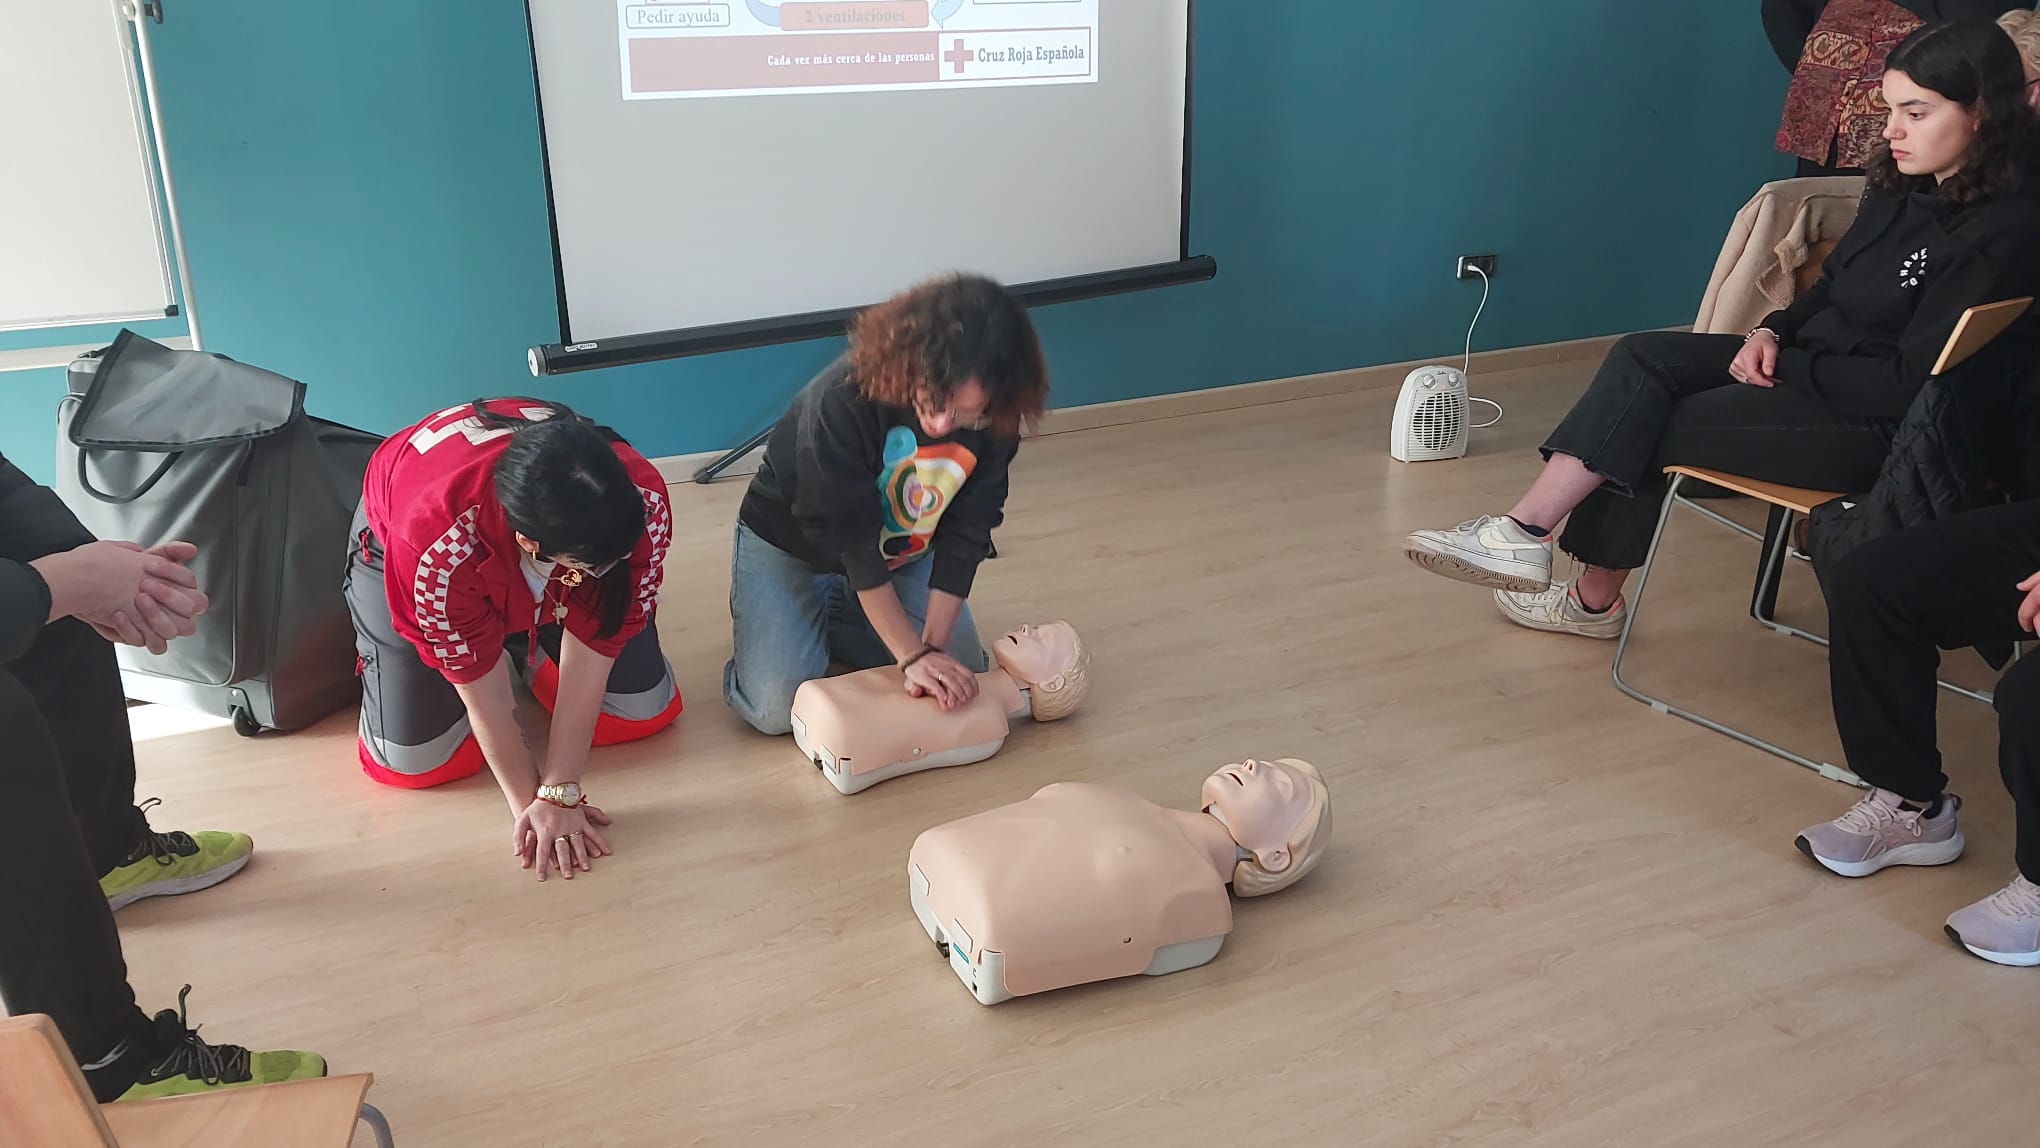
x,y
1666,398
1893,604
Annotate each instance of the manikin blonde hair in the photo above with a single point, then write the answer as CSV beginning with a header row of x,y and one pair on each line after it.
x,y
1064,694
1306,842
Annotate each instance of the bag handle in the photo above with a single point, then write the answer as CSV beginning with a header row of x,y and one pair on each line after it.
x,y
148,484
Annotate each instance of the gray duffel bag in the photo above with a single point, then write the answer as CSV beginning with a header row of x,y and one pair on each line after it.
x,y
156,444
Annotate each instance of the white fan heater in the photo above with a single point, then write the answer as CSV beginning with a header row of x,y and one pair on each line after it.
x,y
1431,416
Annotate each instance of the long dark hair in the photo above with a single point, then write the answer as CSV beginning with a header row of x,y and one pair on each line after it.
x,y
1976,66
562,486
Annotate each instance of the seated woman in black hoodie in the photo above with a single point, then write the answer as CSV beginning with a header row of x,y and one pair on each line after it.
x,y
1813,396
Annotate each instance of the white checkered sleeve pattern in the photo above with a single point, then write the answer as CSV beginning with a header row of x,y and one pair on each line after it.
x,y
431,583
659,532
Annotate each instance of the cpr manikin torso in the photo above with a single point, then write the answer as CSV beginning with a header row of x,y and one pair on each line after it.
x,y
862,728
1084,882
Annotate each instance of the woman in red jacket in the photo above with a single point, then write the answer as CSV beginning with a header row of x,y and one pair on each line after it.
x,y
510,526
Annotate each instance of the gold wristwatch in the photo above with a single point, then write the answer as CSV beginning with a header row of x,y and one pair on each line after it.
x,y
566,796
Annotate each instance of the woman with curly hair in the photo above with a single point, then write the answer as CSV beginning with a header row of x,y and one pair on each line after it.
x,y
1813,397
861,534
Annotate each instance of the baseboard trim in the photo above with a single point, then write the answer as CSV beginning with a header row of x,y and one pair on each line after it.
x,y
680,468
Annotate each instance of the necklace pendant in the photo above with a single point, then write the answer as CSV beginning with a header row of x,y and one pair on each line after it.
x,y
560,613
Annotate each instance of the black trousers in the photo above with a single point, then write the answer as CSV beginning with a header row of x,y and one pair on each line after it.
x,y
1893,605
67,773
1666,399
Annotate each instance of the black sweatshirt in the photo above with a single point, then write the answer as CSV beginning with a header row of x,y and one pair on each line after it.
x,y
853,487
34,523
1865,335
1788,23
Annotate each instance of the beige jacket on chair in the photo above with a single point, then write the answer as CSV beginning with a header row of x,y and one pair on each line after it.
x,y
1774,249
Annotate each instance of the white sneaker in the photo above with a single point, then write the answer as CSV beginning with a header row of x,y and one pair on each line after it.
x,y
1492,552
1559,611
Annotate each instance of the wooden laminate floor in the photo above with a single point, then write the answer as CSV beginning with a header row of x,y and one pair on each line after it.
x,y
1549,914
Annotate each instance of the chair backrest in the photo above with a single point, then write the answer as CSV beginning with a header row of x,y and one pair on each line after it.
x,y
44,1100
1977,327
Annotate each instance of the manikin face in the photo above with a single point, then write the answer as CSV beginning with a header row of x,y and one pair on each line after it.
x,y
1929,133
1037,654
1261,803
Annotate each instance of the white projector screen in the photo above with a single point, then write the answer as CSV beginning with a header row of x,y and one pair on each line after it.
x,y
718,162
81,236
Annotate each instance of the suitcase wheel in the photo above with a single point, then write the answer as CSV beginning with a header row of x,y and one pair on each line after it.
x,y
245,723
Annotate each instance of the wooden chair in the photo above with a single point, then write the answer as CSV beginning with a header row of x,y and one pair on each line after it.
x,y
1789,504
45,1103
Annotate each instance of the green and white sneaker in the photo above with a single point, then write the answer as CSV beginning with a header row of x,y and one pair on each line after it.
x,y
184,1064
168,864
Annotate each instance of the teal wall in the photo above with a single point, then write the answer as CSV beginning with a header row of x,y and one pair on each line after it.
x,y
365,203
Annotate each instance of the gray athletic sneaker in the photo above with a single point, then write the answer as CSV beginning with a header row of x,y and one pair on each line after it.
x,y
1879,831
1558,611
2003,927
1492,552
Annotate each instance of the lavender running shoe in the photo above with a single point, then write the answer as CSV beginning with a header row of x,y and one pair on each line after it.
x,y
1879,831
2004,927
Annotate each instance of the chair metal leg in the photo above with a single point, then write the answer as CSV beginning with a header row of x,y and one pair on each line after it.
x,y
373,1117
1771,572
1777,541
1831,772
1716,515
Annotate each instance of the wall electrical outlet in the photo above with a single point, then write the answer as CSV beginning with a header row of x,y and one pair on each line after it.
x,y
1464,269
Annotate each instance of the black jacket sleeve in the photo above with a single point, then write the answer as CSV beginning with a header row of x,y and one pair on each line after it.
x,y
1786,323
24,607
840,449
1873,216
1787,23
34,523
964,536
1884,385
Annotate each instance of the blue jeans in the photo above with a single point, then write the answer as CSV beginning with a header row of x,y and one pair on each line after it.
x,y
791,621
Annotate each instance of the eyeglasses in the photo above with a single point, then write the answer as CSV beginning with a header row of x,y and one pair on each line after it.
x,y
964,420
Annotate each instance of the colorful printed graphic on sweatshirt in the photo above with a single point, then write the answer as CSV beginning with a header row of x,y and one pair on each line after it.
x,y
919,483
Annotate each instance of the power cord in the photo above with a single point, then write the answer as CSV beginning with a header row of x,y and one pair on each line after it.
x,y
1466,364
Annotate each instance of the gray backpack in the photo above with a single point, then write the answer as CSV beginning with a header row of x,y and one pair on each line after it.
x,y
156,445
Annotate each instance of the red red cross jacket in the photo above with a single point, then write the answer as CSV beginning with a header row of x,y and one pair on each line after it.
x,y
452,567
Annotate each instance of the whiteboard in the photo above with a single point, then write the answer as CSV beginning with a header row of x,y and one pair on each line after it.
x,y
81,234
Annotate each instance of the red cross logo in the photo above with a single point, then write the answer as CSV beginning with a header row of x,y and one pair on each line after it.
x,y
957,56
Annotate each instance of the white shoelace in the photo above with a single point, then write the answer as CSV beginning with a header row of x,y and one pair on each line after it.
x,y
2018,901
1869,815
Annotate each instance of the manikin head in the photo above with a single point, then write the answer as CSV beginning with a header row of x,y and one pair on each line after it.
x,y
1280,813
1052,663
